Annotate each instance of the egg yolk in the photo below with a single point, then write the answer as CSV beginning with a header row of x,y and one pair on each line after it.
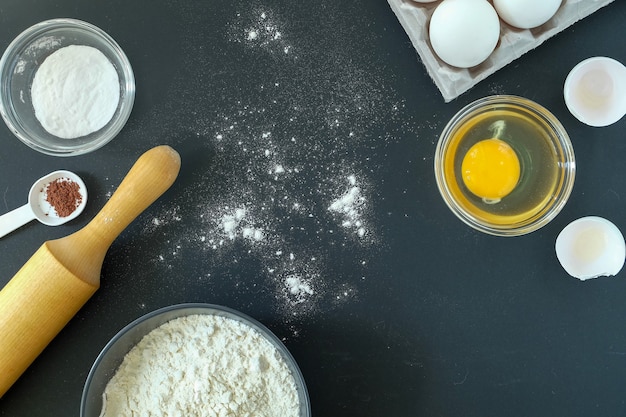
x,y
490,169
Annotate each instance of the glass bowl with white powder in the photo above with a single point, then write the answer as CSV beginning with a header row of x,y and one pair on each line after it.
x,y
195,360
66,87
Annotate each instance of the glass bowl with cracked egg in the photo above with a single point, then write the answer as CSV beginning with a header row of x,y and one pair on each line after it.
x,y
505,165
22,60
194,359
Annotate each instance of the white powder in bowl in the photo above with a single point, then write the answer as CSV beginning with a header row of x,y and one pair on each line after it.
x,y
202,365
75,91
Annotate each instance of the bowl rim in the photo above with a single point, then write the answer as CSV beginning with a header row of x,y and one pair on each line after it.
x,y
213,309
557,202
127,85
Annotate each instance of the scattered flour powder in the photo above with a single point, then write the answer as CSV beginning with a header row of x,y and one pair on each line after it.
x,y
75,91
298,287
202,365
235,225
285,207
349,207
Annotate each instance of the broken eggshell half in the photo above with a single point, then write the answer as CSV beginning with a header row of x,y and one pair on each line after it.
x,y
591,247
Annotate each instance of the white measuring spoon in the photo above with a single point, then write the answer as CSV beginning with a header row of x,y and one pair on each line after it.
x,y
38,208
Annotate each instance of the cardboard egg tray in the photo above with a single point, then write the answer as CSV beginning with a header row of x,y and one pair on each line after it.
x,y
451,81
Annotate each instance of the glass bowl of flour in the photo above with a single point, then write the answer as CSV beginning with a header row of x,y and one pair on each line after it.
x,y
195,360
66,87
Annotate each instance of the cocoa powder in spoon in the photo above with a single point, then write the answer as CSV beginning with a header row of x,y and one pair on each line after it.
x,y
64,196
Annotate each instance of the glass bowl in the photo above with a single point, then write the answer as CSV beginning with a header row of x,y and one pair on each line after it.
x,y
546,165
18,66
108,361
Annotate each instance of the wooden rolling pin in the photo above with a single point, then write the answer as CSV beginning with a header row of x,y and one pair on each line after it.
x,y
63,274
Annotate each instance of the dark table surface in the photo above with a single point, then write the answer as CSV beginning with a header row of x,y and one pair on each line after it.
x,y
411,311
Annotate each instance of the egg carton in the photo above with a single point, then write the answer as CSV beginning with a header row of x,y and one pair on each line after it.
x,y
451,81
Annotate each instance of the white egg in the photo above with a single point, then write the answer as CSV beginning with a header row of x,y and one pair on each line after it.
x,y
463,33
526,14
591,247
595,91
425,1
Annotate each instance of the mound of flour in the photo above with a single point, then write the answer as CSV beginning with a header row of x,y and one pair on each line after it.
x,y
202,365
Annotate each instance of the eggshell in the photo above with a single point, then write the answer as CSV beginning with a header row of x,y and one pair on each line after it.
x,y
463,33
526,14
591,247
595,91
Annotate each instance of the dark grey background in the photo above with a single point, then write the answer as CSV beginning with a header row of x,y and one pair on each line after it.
x,y
424,317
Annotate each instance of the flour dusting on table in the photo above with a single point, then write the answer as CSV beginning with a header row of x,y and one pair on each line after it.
x,y
285,192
